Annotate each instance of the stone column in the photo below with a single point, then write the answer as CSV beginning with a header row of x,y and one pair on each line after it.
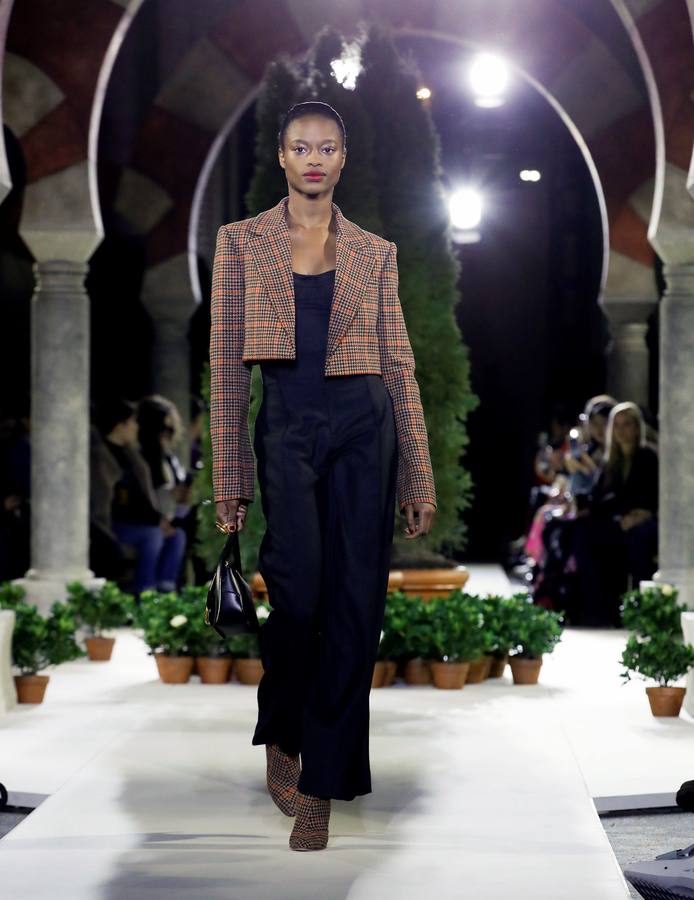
x,y
59,432
676,444
628,357
168,298
171,371
676,441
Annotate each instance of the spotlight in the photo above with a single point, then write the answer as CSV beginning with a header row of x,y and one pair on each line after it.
x,y
529,175
465,209
424,93
488,78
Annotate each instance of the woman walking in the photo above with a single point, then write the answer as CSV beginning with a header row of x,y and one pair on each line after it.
x,y
340,434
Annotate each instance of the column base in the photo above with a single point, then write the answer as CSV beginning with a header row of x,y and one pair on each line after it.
x,y
44,588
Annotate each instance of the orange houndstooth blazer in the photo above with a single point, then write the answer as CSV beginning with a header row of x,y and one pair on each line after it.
x,y
253,319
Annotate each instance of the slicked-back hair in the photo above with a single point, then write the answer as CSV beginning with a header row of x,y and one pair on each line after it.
x,y
311,108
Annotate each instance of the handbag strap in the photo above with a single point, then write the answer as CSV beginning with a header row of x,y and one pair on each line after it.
x,y
232,543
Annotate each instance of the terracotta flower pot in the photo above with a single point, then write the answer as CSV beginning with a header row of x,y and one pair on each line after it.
x,y
449,675
665,701
379,673
390,670
99,649
174,669
498,666
249,671
525,671
417,671
479,670
213,669
31,688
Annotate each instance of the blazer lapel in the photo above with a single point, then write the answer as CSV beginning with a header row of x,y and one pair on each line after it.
x,y
355,261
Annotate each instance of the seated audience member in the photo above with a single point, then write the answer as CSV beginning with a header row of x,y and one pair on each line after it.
x,y
549,541
106,557
549,458
136,518
15,492
160,429
585,457
618,538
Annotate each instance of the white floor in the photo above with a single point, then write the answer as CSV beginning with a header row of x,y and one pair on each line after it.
x,y
155,790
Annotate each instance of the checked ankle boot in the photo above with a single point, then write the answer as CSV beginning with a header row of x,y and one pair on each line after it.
x,y
310,830
283,773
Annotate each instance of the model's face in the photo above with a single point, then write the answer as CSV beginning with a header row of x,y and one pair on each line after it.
x,y
625,430
312,145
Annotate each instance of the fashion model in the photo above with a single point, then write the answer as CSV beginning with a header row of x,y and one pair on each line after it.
x,y
339,436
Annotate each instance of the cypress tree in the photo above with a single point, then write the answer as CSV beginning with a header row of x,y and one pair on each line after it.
x,y
415,216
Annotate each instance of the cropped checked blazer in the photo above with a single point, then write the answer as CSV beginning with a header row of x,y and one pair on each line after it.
x,y
253,319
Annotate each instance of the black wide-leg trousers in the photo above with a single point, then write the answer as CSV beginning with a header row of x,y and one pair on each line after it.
x,y
326,454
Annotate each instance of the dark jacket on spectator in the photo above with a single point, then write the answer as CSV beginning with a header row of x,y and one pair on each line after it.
x,y
638,491
121,486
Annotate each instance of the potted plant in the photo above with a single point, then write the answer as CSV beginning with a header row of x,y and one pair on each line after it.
x,y
656,650
248,666
212,660
393,644
456,636
168,626
95,610
38,642
663,658
536,631
414,624
479,667
496,611
652,610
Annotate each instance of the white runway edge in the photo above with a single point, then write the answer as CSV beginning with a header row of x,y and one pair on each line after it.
x,y
154,791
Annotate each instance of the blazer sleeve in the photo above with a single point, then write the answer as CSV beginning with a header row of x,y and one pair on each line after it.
x,y
415,480
233,472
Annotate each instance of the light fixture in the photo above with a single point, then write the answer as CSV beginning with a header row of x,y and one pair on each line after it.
x,y
465,209
529,175
488,79
424,93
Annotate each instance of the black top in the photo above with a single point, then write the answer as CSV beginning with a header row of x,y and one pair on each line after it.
x,y
313,297
638,491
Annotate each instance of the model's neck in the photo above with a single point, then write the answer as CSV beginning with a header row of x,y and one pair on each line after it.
x,y
309,211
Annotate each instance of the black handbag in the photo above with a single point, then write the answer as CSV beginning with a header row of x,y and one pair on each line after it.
x,y
230,608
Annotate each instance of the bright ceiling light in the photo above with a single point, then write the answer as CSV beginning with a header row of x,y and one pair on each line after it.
x,y
424,93
488,78
465,209
529,175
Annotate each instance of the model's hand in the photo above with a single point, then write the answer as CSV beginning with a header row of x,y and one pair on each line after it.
x,y
420,518
231,515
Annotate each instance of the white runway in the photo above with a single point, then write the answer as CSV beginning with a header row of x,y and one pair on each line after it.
x,y
154,791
